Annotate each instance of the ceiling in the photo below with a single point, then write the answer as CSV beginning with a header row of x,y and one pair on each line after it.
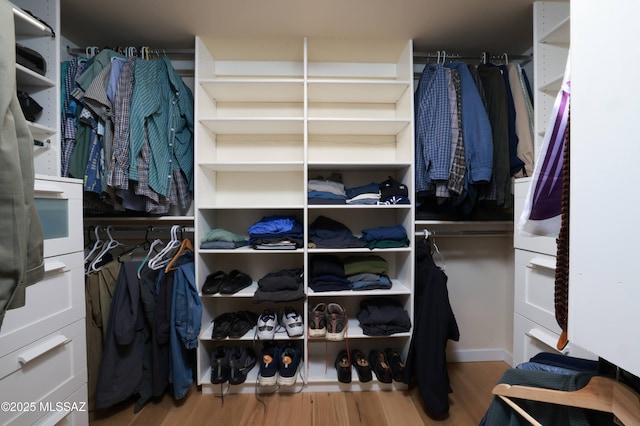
x,y
466,27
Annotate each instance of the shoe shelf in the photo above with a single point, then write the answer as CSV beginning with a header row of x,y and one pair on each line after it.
x,y
271,115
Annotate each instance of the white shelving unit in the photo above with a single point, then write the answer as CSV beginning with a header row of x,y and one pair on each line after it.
x,y
44,89
272,114
550,52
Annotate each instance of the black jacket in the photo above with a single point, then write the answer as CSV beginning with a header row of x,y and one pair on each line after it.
x,y
434,324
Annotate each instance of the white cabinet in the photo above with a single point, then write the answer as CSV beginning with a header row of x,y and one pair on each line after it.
x,y
43,343
604,290
535,328
272,114
44,89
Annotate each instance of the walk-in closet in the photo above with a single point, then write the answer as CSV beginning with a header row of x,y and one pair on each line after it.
x,y
317,213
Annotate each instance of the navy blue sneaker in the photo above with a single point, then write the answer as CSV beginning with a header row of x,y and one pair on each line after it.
x,y
269,363
289,364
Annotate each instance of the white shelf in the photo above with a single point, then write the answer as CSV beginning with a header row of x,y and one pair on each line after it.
x,y
289,166
205,335
397,288
560,34
26,77
349,126
359,206
247,125
248,250
26,25
338,165
40,130
358,250
354,331
358,91
254,90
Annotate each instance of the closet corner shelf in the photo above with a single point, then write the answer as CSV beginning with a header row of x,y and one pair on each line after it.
x,y
558,35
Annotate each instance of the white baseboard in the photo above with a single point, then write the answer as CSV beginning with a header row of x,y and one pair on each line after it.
x,y
476,355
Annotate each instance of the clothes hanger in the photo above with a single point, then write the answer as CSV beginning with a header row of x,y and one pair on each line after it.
x,y
96,246
110,245
429,238
161,259
185,245
145,245
600,394
152,248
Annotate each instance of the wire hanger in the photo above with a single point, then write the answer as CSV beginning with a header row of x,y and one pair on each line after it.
x,y
430,238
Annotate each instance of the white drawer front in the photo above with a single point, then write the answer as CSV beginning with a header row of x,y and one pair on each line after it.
x,y
52,303
42,374
530,339
72,412
545,245
59,205
535,288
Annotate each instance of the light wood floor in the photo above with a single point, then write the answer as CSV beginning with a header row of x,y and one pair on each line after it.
x,y
471,383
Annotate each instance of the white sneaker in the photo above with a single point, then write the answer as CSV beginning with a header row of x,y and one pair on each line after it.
x,y
266,327
292,321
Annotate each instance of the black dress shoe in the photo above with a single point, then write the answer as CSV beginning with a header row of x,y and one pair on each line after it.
x,y
222,325
396,363
360,362
343,367
380,366
213,282
236,281
219,365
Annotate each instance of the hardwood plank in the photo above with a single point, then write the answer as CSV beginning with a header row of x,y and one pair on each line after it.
x,y
399,408
329,408
364,408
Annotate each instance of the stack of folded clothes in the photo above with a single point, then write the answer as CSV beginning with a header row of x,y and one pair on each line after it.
x,y
285,285
276,233
222,239
383,317
327,274
328,233
329,190
367,272
393,192
385,237
365,194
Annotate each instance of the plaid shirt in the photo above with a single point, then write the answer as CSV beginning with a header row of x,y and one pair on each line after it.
x,y
119,170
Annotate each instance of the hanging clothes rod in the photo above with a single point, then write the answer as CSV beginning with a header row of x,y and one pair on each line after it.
x,y
131,51
465,233
424,57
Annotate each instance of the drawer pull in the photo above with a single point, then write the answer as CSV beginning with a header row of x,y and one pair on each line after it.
x,y
54,265
542,262
40,186
41,349
546,338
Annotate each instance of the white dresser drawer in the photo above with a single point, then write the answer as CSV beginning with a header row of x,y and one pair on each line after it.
x,y
530,339
50,304
72,412
545,245
59,205
535,288
42,374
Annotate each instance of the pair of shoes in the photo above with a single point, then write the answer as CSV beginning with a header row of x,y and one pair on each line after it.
x,y
220,282
357,359
387,365
279,364
290,320
233,324
231,364
328,320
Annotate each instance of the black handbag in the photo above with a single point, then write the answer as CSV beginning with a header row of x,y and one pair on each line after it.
x,y
30,108
31,59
